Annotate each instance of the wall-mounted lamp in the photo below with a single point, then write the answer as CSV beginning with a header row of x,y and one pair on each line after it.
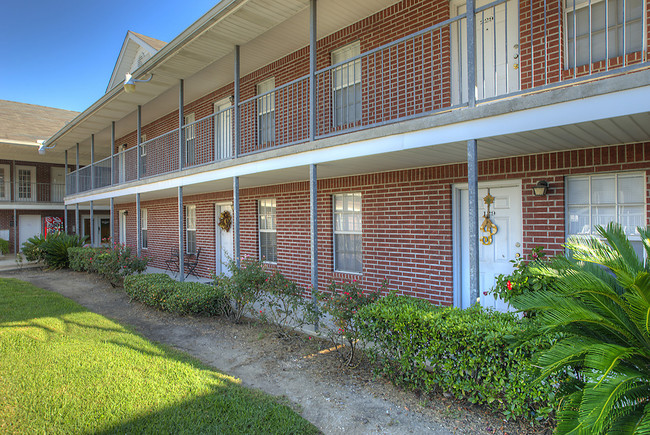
x,y
129,83
232,99
541,188
42,147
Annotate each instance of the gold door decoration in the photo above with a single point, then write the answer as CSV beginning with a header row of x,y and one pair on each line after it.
x,y
487,226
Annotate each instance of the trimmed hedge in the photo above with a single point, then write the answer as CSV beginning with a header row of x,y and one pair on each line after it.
x,y
160,291
112,264
463,352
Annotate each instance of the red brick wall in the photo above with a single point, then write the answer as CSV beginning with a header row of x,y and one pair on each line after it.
x,y
407,223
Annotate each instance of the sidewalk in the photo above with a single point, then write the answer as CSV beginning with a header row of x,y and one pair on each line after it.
x,y
8,262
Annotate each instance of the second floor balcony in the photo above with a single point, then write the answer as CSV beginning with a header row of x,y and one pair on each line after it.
x,y
520,47
24,192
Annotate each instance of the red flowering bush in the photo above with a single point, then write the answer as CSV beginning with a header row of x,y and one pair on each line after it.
x,y
342,302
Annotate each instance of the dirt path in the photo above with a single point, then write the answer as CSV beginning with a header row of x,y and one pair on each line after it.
x,y
337,401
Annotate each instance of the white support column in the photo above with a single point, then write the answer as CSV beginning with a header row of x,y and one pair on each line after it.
x,y
16,247
77,173
472,181
471,52
312,69
112,158
139,141
237,113
65,191
181,244
92,162
313,217
138,225
112,220
235,225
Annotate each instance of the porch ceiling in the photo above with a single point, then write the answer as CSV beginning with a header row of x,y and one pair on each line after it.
x,y
266,30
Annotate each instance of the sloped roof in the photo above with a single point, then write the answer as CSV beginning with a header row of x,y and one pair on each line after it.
x,y
22,123
133,42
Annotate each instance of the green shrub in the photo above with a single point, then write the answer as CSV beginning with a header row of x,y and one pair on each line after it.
x,y
342,302
56,246
523,279
160,291
245,286
600,302
463,352
4,246
33,248
112,264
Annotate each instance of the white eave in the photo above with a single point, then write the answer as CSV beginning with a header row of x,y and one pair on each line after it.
x,y
266,30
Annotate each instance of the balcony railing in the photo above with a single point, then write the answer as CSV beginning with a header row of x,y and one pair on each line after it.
x,y
31,192
518,48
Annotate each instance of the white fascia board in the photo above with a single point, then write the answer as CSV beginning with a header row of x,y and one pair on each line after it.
x,y
30,206
611,105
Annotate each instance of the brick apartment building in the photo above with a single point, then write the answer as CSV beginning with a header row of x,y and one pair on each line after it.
x,y
425,142
32,185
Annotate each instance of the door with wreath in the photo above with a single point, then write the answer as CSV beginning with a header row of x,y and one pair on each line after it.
x,y
224,238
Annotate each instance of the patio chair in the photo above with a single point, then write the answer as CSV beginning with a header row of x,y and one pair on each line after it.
x,y
191,261
172,262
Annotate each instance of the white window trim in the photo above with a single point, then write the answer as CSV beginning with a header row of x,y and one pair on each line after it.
x,y
273,230
616,203
265,106
190,210
581,4
223,135
144,217
335,232
143,146
7,182
342,56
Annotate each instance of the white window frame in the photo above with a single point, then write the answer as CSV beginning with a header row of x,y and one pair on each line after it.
x,y
266,112
6,183
32,182
122,224
223,129
568,17
590,204
267,224
344,77
144,232
190,227
355,196
143,147
190,139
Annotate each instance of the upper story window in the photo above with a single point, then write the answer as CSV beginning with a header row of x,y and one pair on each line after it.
x,y
268,232
346,85
600,199
614,26
266,112
348,252
190,139
4,183
223,129
26,183
190,232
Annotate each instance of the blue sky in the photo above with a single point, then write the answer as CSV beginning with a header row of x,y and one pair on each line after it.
x,y
62,53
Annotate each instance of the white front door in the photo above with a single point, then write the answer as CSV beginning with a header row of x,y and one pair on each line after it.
x,y
223,129
122,228
495,254
57,185
224,240
497,50
28,226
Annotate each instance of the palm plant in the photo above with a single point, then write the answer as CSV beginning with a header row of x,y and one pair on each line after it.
x,y
600,307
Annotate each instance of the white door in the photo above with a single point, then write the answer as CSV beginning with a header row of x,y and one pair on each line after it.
x,y
224,240
223,129
505,245
26,183
57,185
122,227
28,226
497,50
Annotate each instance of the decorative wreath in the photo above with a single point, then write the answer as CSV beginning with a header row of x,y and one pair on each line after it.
x,y
225,220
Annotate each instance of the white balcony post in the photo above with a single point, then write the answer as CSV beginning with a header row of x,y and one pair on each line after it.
x,y
181,120
472,181
65,192
92,162
92,223
77,173
313,214
471,53
235,225
312,69
237,114
139,140
138,226
112,159
181,244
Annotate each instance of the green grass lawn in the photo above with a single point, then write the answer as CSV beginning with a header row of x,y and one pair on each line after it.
x,y
64,369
